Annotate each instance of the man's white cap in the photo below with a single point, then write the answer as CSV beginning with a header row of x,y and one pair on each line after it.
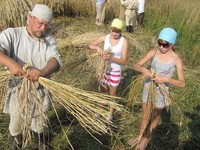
x,y
43,12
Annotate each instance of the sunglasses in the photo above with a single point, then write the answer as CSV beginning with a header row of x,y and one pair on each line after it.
x,y
116,30
166,45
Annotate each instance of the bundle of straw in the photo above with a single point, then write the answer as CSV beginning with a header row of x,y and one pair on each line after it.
x,y
103,69
4,75
83,105
135,88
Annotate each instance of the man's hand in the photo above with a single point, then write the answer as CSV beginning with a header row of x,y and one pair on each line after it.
x,y
12,65
16,70
34,74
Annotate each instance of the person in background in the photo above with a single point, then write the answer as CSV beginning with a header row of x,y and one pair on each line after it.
x,y
130,13
99,8
165,61
31,44
140,12
117,57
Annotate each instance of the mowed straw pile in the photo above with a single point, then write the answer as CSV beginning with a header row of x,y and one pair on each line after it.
x,y
83,105
78,41
79,46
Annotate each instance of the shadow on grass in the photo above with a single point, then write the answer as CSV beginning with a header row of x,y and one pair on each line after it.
x,y
193,142
54,134
79,138
165,136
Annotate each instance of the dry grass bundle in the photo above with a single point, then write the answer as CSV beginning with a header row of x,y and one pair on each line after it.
x,y
24,90
83,105
136,86
102,70
135,89
4,75
79,8
27,94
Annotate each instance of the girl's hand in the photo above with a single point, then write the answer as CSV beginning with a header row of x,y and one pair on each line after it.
x,y
147,73
100,52
107,56
160,79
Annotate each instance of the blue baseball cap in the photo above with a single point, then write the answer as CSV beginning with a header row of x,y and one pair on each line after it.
x,y
168,34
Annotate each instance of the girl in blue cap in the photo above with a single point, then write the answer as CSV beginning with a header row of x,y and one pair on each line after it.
x,y
164,61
